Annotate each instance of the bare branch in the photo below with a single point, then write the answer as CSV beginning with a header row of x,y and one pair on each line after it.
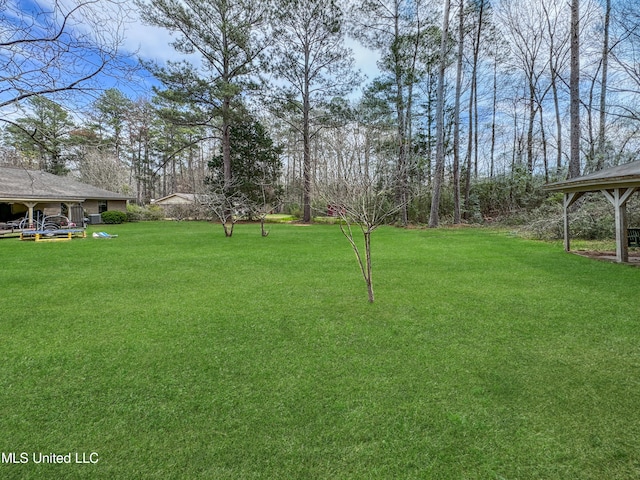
x,y
46,52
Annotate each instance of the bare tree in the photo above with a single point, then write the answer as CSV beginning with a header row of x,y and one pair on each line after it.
x,y
603,87
362,203
268,203
226,203
359,187
574,87
524,27
102,170
62,47
438,178
479,22
310,57
400,30
557,38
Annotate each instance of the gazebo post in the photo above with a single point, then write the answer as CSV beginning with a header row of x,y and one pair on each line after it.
x,y
618,198
569,199
617,184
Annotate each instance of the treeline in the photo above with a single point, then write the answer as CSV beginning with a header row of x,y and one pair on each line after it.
x,y
119,144
272,99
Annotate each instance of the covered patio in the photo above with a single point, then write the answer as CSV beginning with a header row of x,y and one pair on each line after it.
x,y
617,184
23,192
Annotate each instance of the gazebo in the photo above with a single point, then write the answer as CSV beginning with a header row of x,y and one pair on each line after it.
x,y
617,184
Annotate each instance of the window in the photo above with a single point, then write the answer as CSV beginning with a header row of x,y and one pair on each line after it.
x,y
102,206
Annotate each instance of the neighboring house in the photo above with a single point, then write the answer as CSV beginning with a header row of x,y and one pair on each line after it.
x,y
177,199
183,205
23,192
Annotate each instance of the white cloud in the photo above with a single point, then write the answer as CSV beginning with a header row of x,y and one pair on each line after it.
x,y
365,59
149,42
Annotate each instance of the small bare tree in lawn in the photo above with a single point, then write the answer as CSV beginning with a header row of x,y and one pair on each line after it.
x,y
362,200
269,201
226,203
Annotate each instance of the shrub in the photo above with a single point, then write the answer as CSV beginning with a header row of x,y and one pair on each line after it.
x,y
591,218
293,209
114,216
154,212
136,213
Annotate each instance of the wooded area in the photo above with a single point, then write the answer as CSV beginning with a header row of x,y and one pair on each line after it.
x,y
478,103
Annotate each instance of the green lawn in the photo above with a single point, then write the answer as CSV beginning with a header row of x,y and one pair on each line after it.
x,y
174,352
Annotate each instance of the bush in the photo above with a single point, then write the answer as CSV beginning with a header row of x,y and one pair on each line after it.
x,y
505,194
592,218
293,209
154,212
114,216
136,213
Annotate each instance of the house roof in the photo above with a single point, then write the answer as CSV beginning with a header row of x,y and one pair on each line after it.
x,y
180,198
622,176
188,197
35,185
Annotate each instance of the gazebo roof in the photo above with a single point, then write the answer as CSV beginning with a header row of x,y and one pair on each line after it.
x,y
617,184
622,176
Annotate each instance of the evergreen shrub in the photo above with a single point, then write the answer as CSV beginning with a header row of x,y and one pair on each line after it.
x,y
113,216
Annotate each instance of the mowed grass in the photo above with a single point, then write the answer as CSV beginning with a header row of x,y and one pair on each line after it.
x,y
174,352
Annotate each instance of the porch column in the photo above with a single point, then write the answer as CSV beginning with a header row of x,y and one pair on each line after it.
x,y
569,199
618,198
30,206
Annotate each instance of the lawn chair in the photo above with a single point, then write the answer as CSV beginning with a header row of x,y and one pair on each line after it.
x,y
103,235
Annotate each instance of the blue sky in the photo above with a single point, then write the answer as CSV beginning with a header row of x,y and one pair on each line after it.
x,y
152,43
138,40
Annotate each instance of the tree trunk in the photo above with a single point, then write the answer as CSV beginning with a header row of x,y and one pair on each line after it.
x,y
493,119
603,89
306,141
574,87
468,162
226,143
532,119
456,119
556,105
474,81
401,118
367,247
438,178
553,67
543,136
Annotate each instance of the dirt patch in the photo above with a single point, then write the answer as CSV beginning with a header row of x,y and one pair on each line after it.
x,y
634,257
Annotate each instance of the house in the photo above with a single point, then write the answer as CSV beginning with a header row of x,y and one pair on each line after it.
x,y
177,199
183,205
23,192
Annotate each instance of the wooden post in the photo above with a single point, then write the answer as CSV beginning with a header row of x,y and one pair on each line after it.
x,y
569,199
31,206
618,198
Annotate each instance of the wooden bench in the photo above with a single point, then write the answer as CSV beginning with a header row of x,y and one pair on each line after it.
x,y
633,237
